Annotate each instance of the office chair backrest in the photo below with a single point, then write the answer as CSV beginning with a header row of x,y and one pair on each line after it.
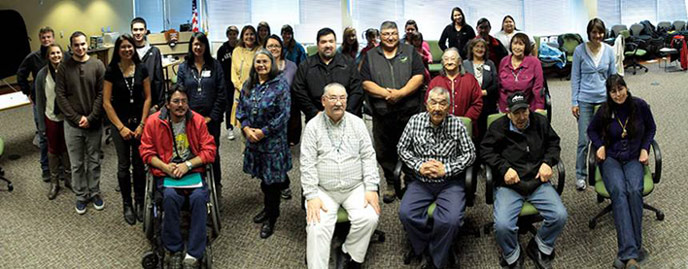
x,y
569,42
636,29
618,28
679,25
664,26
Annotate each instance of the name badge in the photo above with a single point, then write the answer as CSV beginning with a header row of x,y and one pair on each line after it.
x,y
486,67
205,73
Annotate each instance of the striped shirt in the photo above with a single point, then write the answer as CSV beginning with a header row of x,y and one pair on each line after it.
x,y
337,156
448,143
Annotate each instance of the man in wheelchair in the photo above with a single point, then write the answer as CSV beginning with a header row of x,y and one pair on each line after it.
x,y
176,145
437,147
522,148
338,168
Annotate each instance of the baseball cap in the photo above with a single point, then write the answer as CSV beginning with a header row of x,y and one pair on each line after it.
x,y
516,101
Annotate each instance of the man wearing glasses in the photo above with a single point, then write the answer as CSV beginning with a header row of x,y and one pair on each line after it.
x,y
391,73
338,169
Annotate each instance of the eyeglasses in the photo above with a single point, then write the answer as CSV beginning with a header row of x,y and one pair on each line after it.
x,y
274,47
179,101
335,98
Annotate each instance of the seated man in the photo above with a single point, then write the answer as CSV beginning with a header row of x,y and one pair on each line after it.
x,y
338,168
521,149
436,146
176,142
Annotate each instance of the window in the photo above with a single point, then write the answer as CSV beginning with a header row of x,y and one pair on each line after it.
x,y
634,11
609,11
317,14
671,10
225,13
151,11
547,17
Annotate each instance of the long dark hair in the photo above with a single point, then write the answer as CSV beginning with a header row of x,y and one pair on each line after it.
x,y
201,37
288,29
609,108
115,53
241,36
451,16
512,19
279,40
253,75
346,47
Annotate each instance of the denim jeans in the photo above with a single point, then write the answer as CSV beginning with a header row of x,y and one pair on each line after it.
x,y
624,182
507,207
172,202
586,114
42,141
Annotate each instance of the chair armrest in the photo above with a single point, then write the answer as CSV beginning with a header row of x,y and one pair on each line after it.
x,y
657,175
592,164
489,185
561,169
469,185
397,179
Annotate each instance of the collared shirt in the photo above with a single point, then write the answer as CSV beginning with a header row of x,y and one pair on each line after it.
x,y
337,156
527,78
447,143
515,129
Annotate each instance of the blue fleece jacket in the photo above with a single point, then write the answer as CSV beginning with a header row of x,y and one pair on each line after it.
x,y
588,80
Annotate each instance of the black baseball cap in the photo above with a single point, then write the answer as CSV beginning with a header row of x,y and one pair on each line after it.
x,y
516,101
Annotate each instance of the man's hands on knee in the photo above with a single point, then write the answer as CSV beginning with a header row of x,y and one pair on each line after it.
x,y
313,210
511,177
371,198
545,173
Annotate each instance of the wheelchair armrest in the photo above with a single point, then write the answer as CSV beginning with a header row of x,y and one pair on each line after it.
x,y
397,178
592,164
561,169
657,175
489,185
470,185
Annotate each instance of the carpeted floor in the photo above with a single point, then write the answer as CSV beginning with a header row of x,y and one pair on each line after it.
x,y
37,233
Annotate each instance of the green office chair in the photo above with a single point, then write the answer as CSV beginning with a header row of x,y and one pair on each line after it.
x,y
2,172
649,180
469,188
311,50
567,44
436,52
632,51
529,215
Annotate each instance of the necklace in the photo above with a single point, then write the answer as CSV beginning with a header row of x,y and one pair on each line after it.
x,y
129,82
624,133
330,136
257,96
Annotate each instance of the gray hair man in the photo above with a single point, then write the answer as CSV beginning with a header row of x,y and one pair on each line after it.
x,y
435,149
338,169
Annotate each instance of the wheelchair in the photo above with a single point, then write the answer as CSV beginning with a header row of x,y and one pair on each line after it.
x,y
152,221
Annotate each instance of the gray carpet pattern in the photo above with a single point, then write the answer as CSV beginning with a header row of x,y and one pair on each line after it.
x,y
37,233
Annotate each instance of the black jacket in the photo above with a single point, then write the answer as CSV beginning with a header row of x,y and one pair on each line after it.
x,y
152,61
313,75
31,64
502,149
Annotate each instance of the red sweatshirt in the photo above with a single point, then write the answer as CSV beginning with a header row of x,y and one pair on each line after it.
x,y
466,94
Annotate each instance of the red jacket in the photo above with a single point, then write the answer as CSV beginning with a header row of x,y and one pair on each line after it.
x,y
466,94
157,140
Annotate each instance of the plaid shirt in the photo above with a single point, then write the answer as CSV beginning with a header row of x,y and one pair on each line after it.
x,y
448,143
337,157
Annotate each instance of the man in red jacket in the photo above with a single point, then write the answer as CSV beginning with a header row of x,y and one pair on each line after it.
x,y
176,143
464,90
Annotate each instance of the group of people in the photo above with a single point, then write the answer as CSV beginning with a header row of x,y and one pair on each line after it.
x,y
261,83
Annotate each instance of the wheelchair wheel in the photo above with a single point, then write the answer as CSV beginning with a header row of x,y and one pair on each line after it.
x,y
150,260
208,257
214,210
148,208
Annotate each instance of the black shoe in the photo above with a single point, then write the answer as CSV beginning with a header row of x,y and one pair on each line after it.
x,y
343,259
541,260
261,217
267,229
173,260
389,196
45,175
139,212
429,264
54,189
286,194
516,265
129,215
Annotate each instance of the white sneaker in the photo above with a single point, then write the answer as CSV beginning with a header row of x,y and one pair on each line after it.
x,y
580,184
230,134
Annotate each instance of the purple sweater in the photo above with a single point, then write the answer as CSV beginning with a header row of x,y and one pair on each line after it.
x,y
628,148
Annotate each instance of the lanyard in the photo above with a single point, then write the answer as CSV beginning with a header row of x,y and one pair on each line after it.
x,y
256,97
516,74
129,81
330,136
197,78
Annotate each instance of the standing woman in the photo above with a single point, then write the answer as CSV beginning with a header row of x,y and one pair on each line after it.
x,y
52,122
263,32
264,112
509,30
593,63
350,43
458,33
224,55
622,131
242,59
372,37
293,51
494,48
485,72
202,76
521,72
410,27
127,101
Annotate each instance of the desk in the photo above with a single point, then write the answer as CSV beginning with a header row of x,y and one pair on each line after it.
x,y
13,100
101,53
166,64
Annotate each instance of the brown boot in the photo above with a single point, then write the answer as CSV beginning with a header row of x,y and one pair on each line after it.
x,y
54,166
67,173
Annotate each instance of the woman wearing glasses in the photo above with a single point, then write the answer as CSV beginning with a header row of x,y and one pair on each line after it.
x,y
485,73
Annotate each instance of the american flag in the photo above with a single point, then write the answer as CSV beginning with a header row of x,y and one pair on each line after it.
x,y
194,19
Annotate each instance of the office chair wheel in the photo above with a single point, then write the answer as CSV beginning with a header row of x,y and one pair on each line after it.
x,y
592,224
150,260
660,215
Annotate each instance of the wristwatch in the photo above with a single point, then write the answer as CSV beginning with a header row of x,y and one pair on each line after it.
x,y
188,164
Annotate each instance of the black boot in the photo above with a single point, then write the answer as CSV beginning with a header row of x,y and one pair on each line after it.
x,y
267,229
139,211
67,172
54,166
261,217
129,216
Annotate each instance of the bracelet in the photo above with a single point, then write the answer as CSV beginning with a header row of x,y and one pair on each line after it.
x,y
120,128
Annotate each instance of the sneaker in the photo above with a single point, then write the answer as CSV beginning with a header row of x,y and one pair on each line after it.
x,y
98,203
190,262
286,194
80,207
230,134
632,264
541,260
580,184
